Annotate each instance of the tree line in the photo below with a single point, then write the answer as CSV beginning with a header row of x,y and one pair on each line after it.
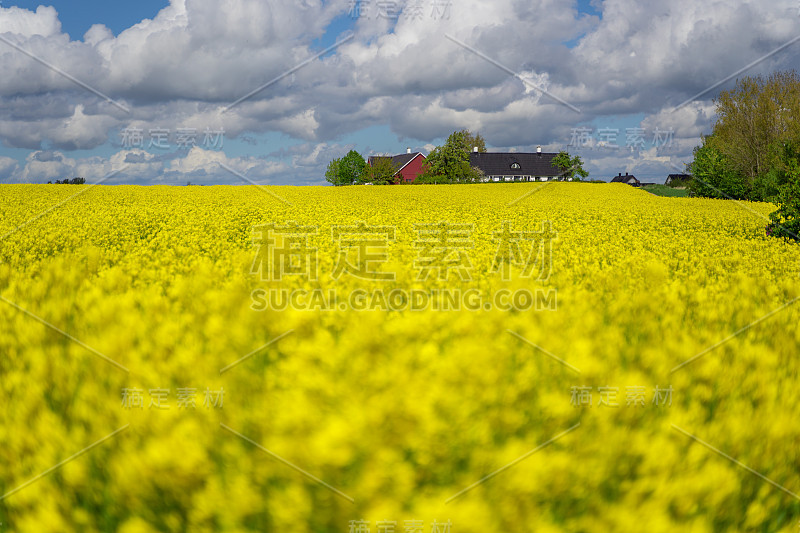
x,y
446,164
753,151
67,181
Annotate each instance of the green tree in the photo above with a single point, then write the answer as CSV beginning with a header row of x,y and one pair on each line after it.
x,y
754,118
381,172
351,168
332,174
714,175
347,170
474,140
450,163
570,167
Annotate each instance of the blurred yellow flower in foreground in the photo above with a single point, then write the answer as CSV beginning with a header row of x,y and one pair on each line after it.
x,y
579,357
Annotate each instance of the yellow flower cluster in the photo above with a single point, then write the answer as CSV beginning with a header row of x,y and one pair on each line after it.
x,y
517,357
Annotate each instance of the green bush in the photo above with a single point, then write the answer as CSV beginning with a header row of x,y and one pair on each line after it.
x,y
714,175
785,222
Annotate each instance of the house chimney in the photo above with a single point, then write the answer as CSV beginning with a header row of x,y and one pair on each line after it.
x,y
538,149
619,175
408,150
475,149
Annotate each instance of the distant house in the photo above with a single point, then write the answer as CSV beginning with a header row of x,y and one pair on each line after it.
x,y
678,180
409,164
515,166
630,179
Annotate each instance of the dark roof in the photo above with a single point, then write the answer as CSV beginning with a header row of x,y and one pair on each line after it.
x,y
678,177
499,164
398,161
624,179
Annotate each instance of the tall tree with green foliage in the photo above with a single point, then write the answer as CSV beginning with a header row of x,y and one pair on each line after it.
x,y
714,175
744,155
332,173
571,167
450,163
753,151
754,118
347,170
352,167
473,141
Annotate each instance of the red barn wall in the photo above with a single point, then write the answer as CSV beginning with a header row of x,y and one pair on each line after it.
x,y
412,169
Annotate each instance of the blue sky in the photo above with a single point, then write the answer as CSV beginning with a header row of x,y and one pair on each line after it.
x,y
618,66
78,16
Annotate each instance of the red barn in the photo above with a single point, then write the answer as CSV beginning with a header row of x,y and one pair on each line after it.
x,y
409,164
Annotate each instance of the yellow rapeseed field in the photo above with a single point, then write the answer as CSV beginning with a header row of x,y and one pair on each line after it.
x,y
557,357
